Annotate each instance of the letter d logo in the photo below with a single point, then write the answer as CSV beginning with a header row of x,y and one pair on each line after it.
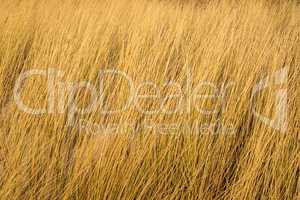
x,y
279,121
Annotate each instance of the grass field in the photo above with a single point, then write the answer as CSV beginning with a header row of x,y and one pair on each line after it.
x,y
149,99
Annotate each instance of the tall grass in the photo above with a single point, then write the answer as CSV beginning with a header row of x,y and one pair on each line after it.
x,y
231,43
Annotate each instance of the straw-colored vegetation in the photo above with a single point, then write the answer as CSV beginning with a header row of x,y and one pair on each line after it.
x,y
171,142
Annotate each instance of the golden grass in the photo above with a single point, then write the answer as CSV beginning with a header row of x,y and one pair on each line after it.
x,y
234,43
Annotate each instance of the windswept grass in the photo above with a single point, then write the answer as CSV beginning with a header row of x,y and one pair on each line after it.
x,y
192,146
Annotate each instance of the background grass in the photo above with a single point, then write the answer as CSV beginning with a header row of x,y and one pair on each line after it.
x,y
221,42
